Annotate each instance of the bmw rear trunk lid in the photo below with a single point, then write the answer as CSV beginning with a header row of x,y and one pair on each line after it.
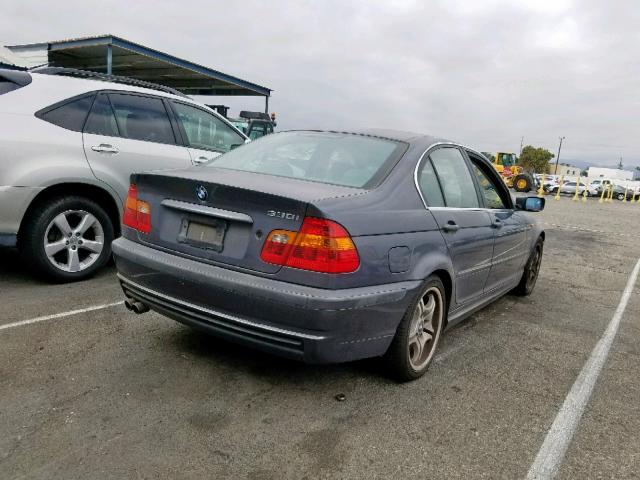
x,y
223,216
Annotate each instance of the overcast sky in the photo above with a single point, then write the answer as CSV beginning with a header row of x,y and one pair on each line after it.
x,y
483,73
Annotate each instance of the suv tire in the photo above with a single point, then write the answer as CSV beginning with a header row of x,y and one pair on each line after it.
x,y
67,239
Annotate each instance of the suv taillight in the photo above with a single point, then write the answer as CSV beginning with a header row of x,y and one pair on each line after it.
x,y
321,246
137,214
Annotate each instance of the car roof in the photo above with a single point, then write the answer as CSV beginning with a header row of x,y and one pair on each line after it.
x,y
412,138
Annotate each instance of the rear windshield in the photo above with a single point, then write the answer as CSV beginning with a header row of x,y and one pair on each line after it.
x,y
325,157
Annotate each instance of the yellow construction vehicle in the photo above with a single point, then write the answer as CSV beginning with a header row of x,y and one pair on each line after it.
x,y
513,175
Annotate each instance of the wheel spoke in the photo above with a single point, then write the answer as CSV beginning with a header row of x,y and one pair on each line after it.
x,y
63,224
415,348
86,222
92,246
52,248
73,264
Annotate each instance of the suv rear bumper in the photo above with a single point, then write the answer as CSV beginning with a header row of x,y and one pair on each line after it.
x,y
305,323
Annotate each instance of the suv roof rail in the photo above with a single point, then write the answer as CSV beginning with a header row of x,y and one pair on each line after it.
x,y
74,72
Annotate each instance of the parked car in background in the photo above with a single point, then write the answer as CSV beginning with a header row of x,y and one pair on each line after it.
x,y
69,141
599,184
328,247
570,188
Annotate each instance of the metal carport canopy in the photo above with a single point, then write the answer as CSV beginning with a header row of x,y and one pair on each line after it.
x,y
117,56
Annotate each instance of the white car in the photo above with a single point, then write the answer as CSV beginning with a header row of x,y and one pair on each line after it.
x,y
570,188
67,148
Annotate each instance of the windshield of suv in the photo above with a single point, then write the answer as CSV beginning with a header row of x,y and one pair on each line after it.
x,y
326,157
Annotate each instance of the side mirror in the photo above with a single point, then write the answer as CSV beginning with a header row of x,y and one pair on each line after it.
x,y
530,204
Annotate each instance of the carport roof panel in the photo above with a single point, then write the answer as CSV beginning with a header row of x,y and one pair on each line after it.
x,y
133,60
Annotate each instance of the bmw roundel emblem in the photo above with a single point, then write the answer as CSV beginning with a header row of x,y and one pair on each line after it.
x,y
201,193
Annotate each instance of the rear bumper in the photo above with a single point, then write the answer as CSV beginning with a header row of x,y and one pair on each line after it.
x,y
295,321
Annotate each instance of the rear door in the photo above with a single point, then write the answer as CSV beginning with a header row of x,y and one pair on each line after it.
x,y
205,134
450,192
127,133
509,225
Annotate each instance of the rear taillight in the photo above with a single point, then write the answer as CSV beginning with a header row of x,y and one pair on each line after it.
x,y
321,246
137,214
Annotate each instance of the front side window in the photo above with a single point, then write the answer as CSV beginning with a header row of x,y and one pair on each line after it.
x,y
457,184
71,115
206,131
488,188
325,157
102,120
142,118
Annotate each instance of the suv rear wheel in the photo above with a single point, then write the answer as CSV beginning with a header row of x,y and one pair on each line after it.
x,y
67,239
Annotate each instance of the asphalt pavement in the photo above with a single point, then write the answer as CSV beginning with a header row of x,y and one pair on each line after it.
x,y
109,394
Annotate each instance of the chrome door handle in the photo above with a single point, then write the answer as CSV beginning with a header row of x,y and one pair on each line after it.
x,y
202,159
105,148
451,226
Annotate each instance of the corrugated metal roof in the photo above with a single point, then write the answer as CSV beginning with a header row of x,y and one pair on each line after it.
x,y
134,60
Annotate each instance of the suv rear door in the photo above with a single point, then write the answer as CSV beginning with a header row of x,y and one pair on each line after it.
x,y
205,134
130,132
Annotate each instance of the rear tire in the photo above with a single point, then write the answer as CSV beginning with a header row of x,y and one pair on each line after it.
x,y
67,239
531,271
620,196
522,183
417,337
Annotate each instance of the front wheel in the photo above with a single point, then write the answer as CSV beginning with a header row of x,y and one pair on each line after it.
x,y
67,239
620,196
418,334
531,271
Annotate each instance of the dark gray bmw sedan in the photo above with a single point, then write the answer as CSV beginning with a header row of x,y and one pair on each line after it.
x,y
329,246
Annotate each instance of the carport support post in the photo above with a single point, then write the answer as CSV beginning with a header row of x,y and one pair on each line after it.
x,y
109,59
266,104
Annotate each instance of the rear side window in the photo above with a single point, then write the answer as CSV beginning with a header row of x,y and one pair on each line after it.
x,y
70,115
142,118
429,185
455,178
102,120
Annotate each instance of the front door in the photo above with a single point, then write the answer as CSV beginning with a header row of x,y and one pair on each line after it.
x,y
206,135
137,138
450,193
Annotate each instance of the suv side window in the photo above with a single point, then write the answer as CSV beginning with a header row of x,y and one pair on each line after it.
x,y
490,191
458,188
142,118
102,120
204,130
70,115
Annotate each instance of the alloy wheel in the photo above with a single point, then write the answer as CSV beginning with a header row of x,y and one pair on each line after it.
x,y
534,268
73,240
425,328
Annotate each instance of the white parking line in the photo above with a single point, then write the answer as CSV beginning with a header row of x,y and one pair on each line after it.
x,y
58,315
554,447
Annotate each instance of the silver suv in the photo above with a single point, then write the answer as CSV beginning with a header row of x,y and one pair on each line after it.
x,y
69,141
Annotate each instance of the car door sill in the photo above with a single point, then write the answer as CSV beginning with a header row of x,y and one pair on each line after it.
x,y
465,311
